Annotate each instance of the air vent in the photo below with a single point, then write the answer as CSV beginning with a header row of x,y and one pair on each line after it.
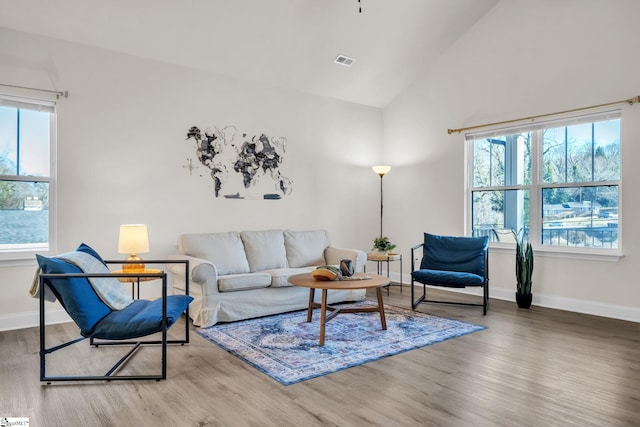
x,y
344,60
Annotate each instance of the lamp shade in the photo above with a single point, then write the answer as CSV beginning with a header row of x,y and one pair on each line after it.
x,y
381,170
134,239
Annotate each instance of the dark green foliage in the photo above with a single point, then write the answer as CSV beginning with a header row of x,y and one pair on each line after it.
x,y
383,244
524,264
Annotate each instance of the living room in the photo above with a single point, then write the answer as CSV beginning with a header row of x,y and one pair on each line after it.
x,y
123,153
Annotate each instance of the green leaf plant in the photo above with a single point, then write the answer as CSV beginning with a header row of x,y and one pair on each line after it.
x,y
524,264
383,244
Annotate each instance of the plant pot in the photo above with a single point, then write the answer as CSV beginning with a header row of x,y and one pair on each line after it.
x,y
524,300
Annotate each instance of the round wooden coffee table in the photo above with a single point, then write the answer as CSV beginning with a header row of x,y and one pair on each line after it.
x,y
362,281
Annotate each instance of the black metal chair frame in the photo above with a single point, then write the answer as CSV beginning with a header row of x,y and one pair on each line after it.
x,y
423,298
111,374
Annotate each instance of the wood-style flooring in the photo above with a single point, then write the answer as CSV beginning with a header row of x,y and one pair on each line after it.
x,y
537,367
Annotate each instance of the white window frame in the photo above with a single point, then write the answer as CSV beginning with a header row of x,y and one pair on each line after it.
x,y
25,254
537,184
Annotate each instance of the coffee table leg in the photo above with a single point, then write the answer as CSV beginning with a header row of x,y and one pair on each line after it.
x,y
312,292
383,320
323,315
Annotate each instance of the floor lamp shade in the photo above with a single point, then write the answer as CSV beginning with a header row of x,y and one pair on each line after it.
x,y
133,240
381,170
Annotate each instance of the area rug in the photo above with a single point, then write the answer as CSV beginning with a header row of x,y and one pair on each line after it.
x,y
285,346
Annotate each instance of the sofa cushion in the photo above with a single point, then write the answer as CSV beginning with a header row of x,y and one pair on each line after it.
x,y
305,248
264,249
280,276
243,282
224,250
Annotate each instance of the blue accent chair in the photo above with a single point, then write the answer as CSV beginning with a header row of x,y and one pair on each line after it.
x,y
452,262
103,325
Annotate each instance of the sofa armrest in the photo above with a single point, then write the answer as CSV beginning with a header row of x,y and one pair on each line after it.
x,y
204,274
333,256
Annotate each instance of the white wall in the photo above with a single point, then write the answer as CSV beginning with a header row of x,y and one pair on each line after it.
x,y
122,148
125,120
523,58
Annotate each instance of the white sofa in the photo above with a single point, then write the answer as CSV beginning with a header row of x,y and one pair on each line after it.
x,y
241,275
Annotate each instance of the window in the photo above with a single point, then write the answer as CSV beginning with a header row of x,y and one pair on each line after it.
x,y
27,141
558,182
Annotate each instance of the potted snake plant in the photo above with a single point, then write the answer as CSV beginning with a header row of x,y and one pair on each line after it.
x,y
524,270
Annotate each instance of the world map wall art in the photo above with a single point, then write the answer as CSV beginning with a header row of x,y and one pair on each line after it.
x,y
247,169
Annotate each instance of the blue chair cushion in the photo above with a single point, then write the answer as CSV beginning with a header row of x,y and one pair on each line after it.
x,y
140,318
452,279
449,253
109,289
75,294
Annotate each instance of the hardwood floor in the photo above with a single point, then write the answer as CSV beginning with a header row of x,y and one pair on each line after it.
x,y
537,367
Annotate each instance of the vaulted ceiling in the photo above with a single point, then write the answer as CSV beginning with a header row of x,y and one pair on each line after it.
x,y
286,43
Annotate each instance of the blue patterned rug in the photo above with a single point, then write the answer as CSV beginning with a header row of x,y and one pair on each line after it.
x,y
285,346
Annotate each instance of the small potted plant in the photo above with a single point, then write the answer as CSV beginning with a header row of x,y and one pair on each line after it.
x,y
383,245
524,270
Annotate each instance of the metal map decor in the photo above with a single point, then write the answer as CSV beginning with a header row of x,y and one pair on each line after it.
x,y
241,167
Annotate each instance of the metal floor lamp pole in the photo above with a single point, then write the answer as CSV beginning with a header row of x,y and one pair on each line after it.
x,y
381,175
381,171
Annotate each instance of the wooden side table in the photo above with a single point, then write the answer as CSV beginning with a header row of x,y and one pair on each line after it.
x,y
379,259
135,280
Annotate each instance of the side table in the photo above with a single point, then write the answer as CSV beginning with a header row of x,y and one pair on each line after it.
x,y
379,259
135,280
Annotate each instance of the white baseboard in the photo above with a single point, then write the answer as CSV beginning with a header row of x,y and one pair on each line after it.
x,y
30,319
552,301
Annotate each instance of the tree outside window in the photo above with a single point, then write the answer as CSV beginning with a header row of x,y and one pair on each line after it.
x,y
566,174
25,147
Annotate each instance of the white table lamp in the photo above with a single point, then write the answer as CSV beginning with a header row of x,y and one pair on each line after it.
x,y
133,240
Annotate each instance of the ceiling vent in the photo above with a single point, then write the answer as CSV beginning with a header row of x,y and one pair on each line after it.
x,y
344,60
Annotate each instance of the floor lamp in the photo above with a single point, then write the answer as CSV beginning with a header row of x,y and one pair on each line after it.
x,y
381,171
